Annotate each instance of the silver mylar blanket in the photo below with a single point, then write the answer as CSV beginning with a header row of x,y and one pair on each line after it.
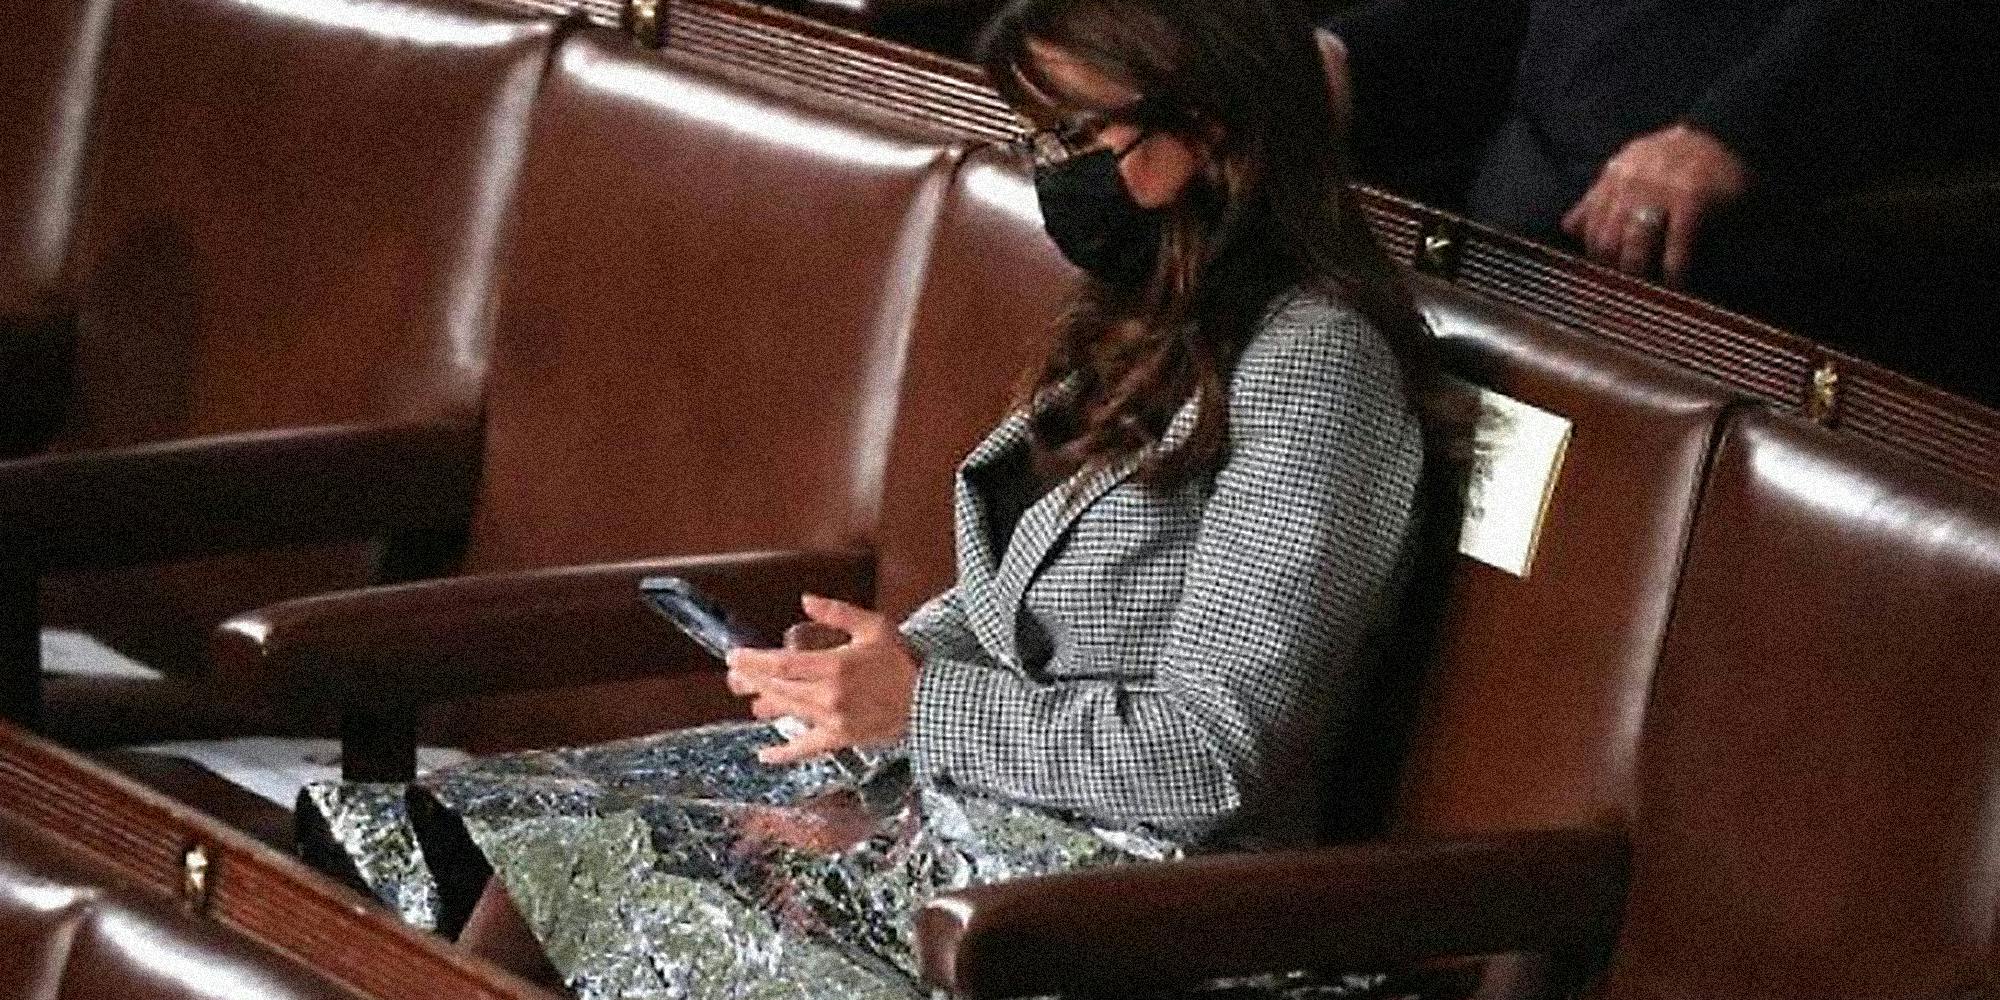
x,y
678,867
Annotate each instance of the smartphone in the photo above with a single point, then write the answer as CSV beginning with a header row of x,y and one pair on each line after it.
x,y
703,620
710,627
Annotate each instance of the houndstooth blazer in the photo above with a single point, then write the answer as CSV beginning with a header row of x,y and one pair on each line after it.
x,y
1180,658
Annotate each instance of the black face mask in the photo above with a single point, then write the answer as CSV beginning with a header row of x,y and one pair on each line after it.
x,y
1091,216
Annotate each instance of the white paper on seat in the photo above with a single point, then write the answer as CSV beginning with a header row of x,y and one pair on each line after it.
x,y
276,768
77,654
1517,455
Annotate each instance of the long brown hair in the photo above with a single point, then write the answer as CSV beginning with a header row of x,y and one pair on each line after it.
x,y
1273,214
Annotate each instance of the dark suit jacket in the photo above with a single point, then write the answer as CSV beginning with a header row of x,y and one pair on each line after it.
x,y
1812,94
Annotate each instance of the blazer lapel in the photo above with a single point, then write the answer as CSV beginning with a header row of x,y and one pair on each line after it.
x,y
1052,516
979,552
974,504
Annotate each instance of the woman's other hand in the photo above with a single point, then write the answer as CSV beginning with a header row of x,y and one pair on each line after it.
x,y
854,694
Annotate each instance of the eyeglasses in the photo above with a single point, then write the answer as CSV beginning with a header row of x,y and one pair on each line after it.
x,y
1079,134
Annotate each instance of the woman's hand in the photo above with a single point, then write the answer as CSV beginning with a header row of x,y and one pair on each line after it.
x,y
852,695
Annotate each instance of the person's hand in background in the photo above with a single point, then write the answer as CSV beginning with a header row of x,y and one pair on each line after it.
x,y
1648,204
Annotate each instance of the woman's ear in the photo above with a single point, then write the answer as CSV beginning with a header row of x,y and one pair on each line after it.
x,y
1210,144
1214,169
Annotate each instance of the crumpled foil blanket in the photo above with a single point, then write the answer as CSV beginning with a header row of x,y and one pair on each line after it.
x,y
678,867
371,822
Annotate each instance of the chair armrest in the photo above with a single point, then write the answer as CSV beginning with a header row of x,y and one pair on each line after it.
x,y
396,648
1363,907
121,506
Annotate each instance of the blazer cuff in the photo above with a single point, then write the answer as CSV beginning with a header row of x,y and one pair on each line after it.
x,y
925,641
953,697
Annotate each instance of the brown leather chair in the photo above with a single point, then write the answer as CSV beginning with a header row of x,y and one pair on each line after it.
x,y
1819,765
283,262
98,899
1518,647
46,83
711,287
993,291
1508,648
1528,715
1814,787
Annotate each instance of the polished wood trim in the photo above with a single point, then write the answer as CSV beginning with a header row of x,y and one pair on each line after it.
x,y
252,889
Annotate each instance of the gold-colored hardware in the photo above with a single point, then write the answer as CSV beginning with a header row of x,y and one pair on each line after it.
x,y
1823,398
197,873
644,21
1438,249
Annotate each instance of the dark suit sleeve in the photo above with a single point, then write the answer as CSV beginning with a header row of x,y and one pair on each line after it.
x,y
1834,88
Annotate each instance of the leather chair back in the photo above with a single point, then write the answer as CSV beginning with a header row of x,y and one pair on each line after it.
x,y
293,213
995,288
711,288
47,84
292,220
1530,712
709,294
1818,814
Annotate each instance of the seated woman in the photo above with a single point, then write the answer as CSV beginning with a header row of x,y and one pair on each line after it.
x,y
1176,559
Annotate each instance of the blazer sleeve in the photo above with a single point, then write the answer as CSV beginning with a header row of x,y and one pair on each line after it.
x,y
938,630
1297,551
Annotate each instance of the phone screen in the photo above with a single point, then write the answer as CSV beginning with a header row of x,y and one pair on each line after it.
x,y
706,624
